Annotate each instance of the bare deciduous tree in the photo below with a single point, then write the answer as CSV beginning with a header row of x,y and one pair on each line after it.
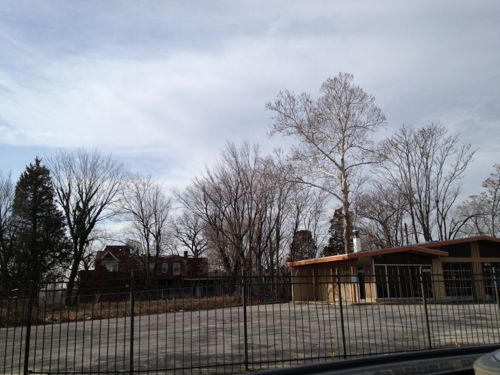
x,y
188,230
222,198
479,215
382,210
87,186
334,136
7,230
147,209
249,211
307,211
491,197
427,165
242,202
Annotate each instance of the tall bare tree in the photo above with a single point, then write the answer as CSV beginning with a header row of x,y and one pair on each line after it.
x,y
334,134
249,211
491,197
148,210
382,210
188,230
7,231
427,165
222,198
480,213
87,185
242,203
308,207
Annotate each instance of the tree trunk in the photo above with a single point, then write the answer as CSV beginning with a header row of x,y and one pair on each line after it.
x,y
71,283
346,219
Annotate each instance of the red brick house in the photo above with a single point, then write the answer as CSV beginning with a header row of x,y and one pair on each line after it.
x,y
122,259
115,265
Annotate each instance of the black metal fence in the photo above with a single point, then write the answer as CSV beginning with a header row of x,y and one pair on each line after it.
x,y
225,326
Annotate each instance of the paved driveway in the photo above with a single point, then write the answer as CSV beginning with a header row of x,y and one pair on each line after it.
x,y
278,334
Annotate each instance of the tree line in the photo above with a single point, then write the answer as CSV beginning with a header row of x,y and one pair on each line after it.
x,y
251,212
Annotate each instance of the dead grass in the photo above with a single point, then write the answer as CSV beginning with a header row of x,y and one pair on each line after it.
x,y
49,314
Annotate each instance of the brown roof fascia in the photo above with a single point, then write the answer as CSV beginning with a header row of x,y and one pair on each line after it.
x,y
330,259
366,254
425,251
459,241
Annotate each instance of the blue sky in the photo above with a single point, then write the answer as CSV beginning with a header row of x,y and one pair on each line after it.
x,y
163,85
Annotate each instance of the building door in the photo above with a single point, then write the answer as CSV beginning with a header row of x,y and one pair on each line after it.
x,y
381,281
361,283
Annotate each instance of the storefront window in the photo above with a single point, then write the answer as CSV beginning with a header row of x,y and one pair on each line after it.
x,y
403,281
458,280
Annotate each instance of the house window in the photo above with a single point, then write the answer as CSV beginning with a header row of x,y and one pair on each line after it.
x,y
111,266
164,267
151,266
176,268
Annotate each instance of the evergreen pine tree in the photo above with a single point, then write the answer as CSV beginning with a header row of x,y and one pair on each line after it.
x,y
41,244
335,241
303,245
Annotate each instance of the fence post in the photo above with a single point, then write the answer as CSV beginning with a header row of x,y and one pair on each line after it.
x,y
27,340
495,285
426,311
132,318
344,348
245,321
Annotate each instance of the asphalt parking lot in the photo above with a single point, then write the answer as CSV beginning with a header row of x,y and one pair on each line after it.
x,y
277,334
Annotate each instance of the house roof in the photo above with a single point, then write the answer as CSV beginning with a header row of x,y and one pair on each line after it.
x,y
460,241
114,250
108,253
366,254
427,249
119,252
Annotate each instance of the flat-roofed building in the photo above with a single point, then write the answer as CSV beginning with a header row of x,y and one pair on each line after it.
x,y
462,269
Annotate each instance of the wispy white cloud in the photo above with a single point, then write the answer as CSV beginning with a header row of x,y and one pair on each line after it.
x,y
164,85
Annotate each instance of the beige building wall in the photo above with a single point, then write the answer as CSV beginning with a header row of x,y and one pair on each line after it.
x,y
477,269
437,279
313,284
370,284
302,281
320,284
324,286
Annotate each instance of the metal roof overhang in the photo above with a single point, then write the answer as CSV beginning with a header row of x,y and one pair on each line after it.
x,y
366,254
460,241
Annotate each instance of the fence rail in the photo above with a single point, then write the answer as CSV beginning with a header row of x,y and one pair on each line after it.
x,y
222,325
